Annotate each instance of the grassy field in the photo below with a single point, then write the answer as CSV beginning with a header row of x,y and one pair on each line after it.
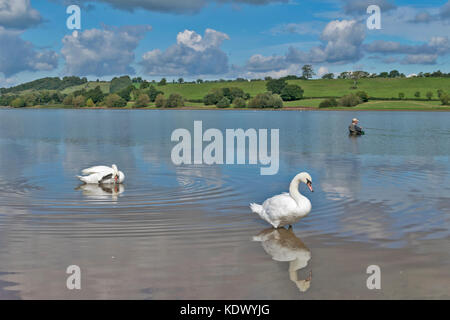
x,y
402,105
377,87
90,85
307,103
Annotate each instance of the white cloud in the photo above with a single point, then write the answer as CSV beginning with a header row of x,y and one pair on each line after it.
x,y
305,28
7,82
407,23
359,7
422,17
444,11
18,55
18,14
260,63
278,73
102,52
427,53
191,55
322,70
342,43
420,59
211,39
344,39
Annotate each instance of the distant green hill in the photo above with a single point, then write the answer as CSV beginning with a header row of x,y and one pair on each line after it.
x,y
48,83
381,88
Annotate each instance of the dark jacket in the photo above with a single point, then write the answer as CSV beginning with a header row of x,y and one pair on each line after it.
x,y
354,129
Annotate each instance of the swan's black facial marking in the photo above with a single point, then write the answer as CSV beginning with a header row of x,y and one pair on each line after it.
x,y
309,184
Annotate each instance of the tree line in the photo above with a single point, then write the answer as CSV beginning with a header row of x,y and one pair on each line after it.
x,y
122,90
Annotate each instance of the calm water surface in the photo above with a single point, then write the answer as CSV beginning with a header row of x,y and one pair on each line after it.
x,y
186,232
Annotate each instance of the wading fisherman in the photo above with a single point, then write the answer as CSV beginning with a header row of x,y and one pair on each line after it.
x,y
354,129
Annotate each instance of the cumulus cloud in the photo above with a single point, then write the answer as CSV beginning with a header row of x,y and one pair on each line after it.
x,y
444,12
344,39
385,60
18,14
18,55
261,73
191,55
109,51
342,43
322,71
260,63
437,45
422,17
359,7
296,28
420,59
7,82
427,53
174,6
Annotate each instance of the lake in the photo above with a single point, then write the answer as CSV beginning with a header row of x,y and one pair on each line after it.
x,y
186,232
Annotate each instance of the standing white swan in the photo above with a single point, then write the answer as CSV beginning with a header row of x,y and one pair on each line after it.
x,y
286,208
102,175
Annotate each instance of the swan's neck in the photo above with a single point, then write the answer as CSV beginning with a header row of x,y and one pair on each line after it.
x,y
293,191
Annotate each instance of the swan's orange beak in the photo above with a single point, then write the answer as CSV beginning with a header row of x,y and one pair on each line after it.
x,y
309,184
116,178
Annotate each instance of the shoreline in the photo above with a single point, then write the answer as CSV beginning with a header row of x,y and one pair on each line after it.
x,y
195,108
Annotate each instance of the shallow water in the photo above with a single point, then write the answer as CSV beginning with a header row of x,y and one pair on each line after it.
x,y
186,232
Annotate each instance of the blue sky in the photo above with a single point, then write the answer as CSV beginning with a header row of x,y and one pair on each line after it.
x,y
213,39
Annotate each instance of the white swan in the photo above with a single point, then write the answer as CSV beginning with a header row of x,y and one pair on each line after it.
x,y
283,245
286,208
102,175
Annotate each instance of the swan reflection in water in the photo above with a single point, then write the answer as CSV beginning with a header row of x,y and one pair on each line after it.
x,y
102,191
283,245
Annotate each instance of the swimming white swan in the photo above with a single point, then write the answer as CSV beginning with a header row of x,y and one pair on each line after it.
x,y
102,175
286,208
283,245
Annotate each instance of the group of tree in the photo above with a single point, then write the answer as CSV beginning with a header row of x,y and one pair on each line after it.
x,y
119,83
224,97
441,95
261,100
349,100
266,100
142,97
435,74
32,98
173,101
360,74
287,92
444,97
384,74
236,97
